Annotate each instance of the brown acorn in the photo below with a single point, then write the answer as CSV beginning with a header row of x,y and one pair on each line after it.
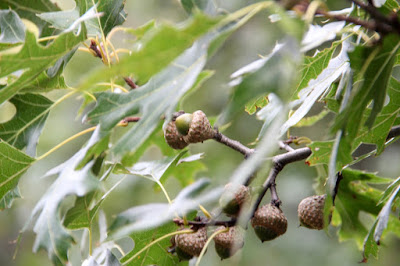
x,y
311,212
200,128
173,138
233,198
269,222
190,245
228,243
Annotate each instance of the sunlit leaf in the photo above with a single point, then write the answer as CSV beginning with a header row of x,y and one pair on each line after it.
x,y
159,48
252,106
317,35
319,84
207,6
265,75
47,215
112,14
24,129
142,217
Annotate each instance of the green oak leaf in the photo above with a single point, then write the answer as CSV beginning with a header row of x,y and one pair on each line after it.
x,y
156,254
355,195
373,67
384,121
33,59
13,164
159,47
8,199
24,129
47,215
313,67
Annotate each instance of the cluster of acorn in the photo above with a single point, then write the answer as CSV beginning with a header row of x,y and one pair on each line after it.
x,y
268,221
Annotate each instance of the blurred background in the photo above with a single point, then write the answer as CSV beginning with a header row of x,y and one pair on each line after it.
x,y
299,246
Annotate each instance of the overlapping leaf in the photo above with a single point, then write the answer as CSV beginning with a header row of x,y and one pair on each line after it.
x,y
112,14
13,163
161,94
265,75
159,48
51,235
24,129
142,218
373,67
29,9
12,29
317,78
33,59
156,254
383,221
356,195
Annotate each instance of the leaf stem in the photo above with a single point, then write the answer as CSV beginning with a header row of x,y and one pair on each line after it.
x,y
65,142
90,241
208,243
188,231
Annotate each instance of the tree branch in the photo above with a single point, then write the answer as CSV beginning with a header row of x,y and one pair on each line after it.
x,y
234,144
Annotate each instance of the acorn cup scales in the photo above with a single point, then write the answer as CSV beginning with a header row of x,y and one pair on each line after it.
x,y
191,245
311,212
269,222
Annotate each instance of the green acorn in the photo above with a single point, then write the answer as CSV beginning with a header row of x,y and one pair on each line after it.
x,y
200,128
183,122
311,212
173,138
228,243
190,245
233,198
269,222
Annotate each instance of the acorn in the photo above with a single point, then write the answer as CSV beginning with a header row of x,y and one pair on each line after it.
x,y
190,245
183,123
233,198
173,138
200,128
269,222
311,212
228,243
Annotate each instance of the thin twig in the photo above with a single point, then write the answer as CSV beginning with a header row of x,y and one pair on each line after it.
x,y
206,222
278,163
234,144
130,119
130,83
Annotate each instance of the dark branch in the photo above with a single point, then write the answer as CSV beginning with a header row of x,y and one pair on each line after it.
x,y
278,163
373,11
95,49
206,222
234,144
130,83
130,119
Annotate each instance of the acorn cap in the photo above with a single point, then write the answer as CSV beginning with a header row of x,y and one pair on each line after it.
x,y
191,244
233,198
200,128
228,243
269,222
173,138
311,212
